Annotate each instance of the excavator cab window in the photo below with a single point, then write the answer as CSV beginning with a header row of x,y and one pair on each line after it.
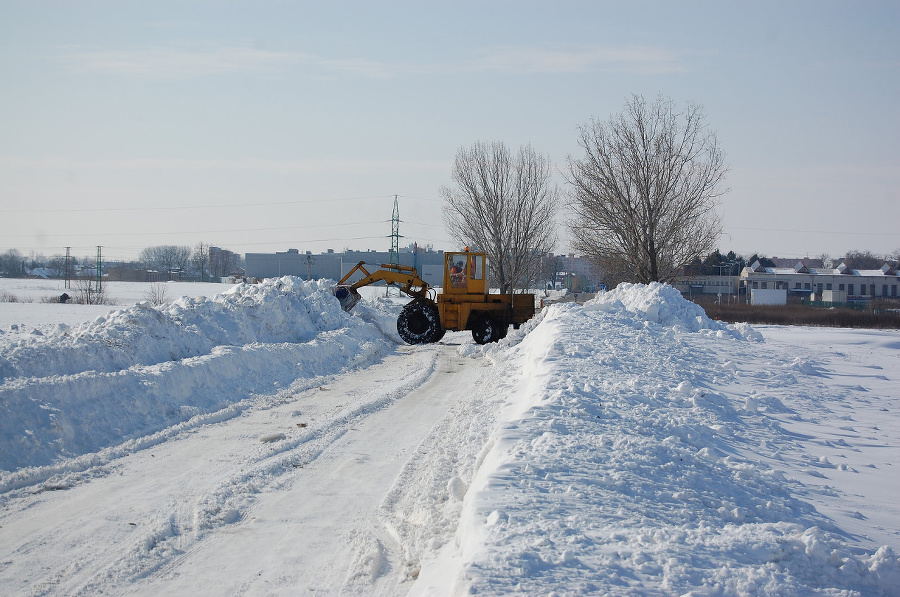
x,y
476,267
457,272
465,273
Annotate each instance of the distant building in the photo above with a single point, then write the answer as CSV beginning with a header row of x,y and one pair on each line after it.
x,y
334,266
566,271
42,273
710,285
814,283
224,263
576,274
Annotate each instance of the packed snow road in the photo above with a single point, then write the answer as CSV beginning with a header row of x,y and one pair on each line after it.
x,y
292,484
248,442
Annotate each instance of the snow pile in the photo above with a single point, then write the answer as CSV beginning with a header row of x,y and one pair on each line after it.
x,y
142,369
631,459
664,305
282,310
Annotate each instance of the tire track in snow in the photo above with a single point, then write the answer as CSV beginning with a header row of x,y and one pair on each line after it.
x,y
185,498
322,523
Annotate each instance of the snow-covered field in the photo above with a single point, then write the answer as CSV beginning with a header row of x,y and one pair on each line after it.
x,y
263,442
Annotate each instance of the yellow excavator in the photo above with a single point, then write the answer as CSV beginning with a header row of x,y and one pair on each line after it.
x,y
465,303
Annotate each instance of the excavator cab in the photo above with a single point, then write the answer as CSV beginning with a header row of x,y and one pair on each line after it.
x,y
464,273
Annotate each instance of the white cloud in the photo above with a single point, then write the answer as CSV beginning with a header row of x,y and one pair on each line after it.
x,y
637,59
182,63
176,63
355,166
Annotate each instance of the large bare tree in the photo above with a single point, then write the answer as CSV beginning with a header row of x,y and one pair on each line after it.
x,y
166,258
504,205
645,192
200,261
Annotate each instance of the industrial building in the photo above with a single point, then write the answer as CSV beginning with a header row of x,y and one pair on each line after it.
x,y
574,273
333,265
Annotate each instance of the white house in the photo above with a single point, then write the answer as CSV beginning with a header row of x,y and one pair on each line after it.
x,y
839,284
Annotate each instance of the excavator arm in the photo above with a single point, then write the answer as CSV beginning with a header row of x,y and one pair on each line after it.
x,y
404,277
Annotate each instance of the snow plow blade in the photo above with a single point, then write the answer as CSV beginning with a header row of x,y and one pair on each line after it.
x,y
346,296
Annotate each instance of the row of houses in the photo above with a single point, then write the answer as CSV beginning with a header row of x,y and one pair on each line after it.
x,y
839,284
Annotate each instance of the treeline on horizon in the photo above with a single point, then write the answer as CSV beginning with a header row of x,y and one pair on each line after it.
x,y
196,262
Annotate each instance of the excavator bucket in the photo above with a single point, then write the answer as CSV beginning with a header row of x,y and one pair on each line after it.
x,y
347,296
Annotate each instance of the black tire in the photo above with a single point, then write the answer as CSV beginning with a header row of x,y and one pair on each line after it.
x,y
484,330
419,323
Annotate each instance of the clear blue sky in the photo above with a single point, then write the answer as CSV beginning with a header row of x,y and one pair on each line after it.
x,y
261,126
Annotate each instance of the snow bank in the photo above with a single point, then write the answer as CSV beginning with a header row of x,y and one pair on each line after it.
x,y
631,459
662,304
282,310
142,369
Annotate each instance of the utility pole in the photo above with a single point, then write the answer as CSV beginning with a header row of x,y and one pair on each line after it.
x,y
99,270
68,283
395,235
394,257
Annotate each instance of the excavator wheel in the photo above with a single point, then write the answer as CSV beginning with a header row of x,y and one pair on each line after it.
x,y
485,330
420,323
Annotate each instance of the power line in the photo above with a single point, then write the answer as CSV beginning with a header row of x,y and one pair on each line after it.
x,y
242,243
290,242
422,224
421,198
810,231
209,231
190,207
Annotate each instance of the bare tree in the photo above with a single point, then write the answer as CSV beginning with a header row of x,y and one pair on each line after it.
x,y
200,261
550,266
11,264
166,258
645,192
181,258
504,206
157,294
863,260
87,292
36,260
57,263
